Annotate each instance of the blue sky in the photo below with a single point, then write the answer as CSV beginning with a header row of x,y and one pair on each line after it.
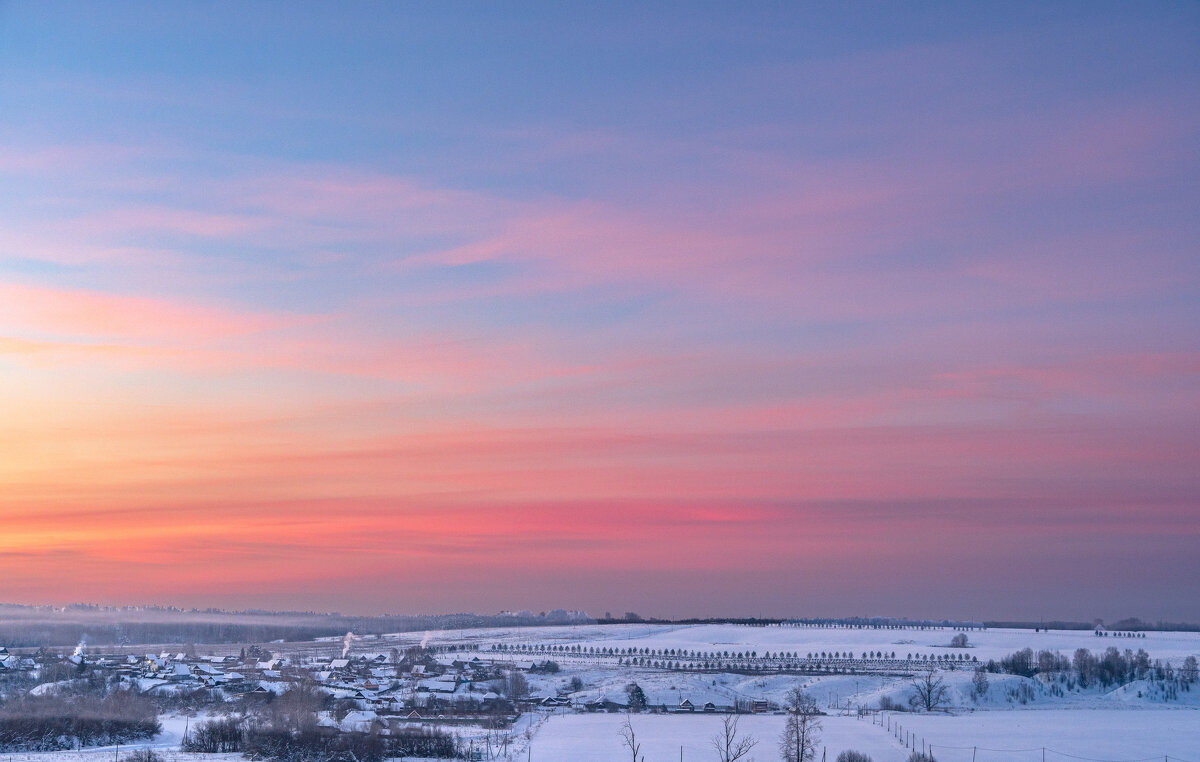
x,y
481,275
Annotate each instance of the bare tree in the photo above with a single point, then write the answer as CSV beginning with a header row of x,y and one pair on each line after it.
x,y
515,685
729,747
798,701
929,691
798,743
629,739
801,731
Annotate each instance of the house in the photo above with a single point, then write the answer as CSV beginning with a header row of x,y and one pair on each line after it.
x,y
604,705
360,721
393,704
339,664
443,685
687,706
363,696
327,724
709,707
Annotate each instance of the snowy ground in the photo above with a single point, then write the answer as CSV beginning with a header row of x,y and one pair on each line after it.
x,y
1001,736
996,736
1016,713
1098,733
985,644
1012,722
603,677
596,738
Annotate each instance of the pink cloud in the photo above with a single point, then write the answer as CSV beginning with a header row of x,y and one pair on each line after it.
x,y
98,314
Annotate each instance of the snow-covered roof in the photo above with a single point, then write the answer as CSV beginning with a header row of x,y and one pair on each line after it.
x,y
358,721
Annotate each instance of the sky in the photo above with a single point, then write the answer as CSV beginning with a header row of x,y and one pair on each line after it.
x,y
690,309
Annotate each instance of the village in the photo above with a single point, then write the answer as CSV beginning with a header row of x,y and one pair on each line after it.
x,y
374,686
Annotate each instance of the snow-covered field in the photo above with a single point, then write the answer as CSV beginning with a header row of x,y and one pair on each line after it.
x,y
1098,733
602,676
596,738
1016,713
984,644
1000,736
